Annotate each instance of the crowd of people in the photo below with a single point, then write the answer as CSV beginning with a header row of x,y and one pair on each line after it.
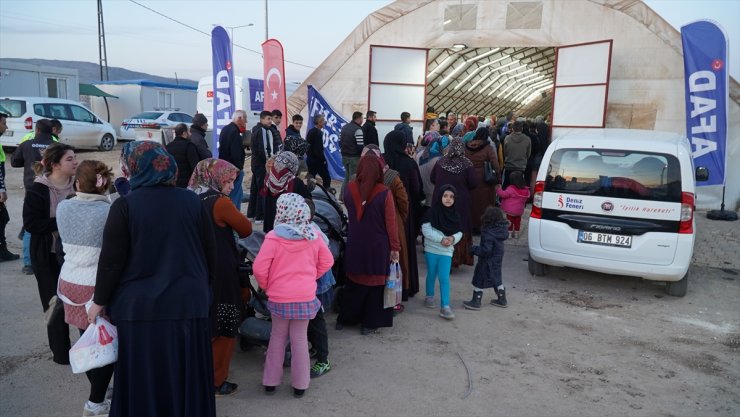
x,y
155,250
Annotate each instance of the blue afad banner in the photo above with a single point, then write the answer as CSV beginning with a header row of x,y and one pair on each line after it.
x,y
223,83
256,95
332,127
705,75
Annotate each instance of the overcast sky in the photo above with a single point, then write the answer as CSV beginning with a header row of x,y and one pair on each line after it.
x,y
141,40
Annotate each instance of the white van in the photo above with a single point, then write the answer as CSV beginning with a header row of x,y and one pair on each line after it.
x,y
616,201
81,128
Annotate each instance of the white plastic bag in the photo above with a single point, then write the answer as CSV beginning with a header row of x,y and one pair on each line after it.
x,y
97,347
393,284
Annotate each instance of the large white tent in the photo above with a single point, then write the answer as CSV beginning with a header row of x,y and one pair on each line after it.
x,y
507,52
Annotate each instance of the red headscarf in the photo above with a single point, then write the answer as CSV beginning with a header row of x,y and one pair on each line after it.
x,y
471,123
369,176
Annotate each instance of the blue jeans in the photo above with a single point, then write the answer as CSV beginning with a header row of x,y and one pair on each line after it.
x,y
26,248
439,266
238,191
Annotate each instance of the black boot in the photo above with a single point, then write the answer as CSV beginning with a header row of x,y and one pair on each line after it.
x,y
5,255
474,303
501,301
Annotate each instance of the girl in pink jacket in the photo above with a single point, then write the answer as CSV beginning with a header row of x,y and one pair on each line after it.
x,y
513,199
287,266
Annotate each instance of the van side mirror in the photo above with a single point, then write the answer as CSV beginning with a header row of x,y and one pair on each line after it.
x,y
702,174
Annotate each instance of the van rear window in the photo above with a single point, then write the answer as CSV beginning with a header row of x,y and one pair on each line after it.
x,y
614,173
15,108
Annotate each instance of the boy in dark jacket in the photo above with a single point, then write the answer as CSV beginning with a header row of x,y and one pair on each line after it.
x,y
490,252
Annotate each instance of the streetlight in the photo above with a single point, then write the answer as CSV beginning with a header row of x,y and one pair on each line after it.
x,y
231,30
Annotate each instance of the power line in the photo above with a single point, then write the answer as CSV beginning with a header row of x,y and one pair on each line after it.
x,y
208,34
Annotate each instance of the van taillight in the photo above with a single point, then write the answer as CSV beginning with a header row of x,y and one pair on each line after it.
x,y
687,213
539,189
28,123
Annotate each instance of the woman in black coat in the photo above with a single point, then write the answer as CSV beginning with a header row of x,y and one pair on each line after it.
x,y
154,277
52,185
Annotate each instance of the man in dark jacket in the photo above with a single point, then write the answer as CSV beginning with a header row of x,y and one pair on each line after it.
x,y
316,158
517,148
230,149
369,132
277,119
295,128
351,141
265,144
5,254
406,128
185,153
198,135
25,155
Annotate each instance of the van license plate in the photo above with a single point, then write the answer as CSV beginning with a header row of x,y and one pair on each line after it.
x,y
605,239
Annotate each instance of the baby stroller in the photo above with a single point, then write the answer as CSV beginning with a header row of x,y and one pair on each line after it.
x,y
332,220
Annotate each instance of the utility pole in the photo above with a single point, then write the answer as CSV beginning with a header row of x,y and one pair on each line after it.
x,y
267,33
102,54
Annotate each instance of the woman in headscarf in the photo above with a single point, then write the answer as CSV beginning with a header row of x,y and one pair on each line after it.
x,y
469,127
213,180
479,150
408,170
427,157
281,179
372,243
456,169
393,182
154,277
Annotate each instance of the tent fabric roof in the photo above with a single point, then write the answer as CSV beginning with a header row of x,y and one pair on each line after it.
x,y
375,22
91,90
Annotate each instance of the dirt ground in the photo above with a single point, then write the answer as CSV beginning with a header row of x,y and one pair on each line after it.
x,y
572,343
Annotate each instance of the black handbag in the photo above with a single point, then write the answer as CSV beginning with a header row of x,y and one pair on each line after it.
x,y
489,177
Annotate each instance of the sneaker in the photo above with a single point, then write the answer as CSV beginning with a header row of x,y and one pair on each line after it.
x,y
96,409
429,302
227,388
446,313
27,269
320,368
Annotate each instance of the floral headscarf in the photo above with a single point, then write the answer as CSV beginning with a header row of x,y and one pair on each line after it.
x,y
282,173
455,160
211,174
295,144
123,161
293,213
150,164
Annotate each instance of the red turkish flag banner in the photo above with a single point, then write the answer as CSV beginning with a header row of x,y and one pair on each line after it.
x,y
274,86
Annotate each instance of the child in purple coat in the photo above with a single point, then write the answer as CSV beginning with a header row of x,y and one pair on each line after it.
x,y
490,255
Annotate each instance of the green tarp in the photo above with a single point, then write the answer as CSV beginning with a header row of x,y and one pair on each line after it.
x,y
91,90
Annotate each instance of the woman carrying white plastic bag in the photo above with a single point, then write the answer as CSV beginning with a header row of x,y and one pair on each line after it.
x,y
96,348
81,220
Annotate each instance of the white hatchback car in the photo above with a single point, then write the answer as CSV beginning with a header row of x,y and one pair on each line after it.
x,y
81,128
616,201
152,120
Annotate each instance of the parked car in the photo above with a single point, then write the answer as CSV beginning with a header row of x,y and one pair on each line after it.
x,y
152,120
616,201
81,127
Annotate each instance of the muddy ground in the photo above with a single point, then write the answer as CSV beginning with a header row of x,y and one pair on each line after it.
x,y
572,343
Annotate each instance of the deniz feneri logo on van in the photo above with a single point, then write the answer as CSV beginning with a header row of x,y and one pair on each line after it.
x,y
607,206
570,202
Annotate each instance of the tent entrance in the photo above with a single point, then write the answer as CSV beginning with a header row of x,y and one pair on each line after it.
x,y
491,81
